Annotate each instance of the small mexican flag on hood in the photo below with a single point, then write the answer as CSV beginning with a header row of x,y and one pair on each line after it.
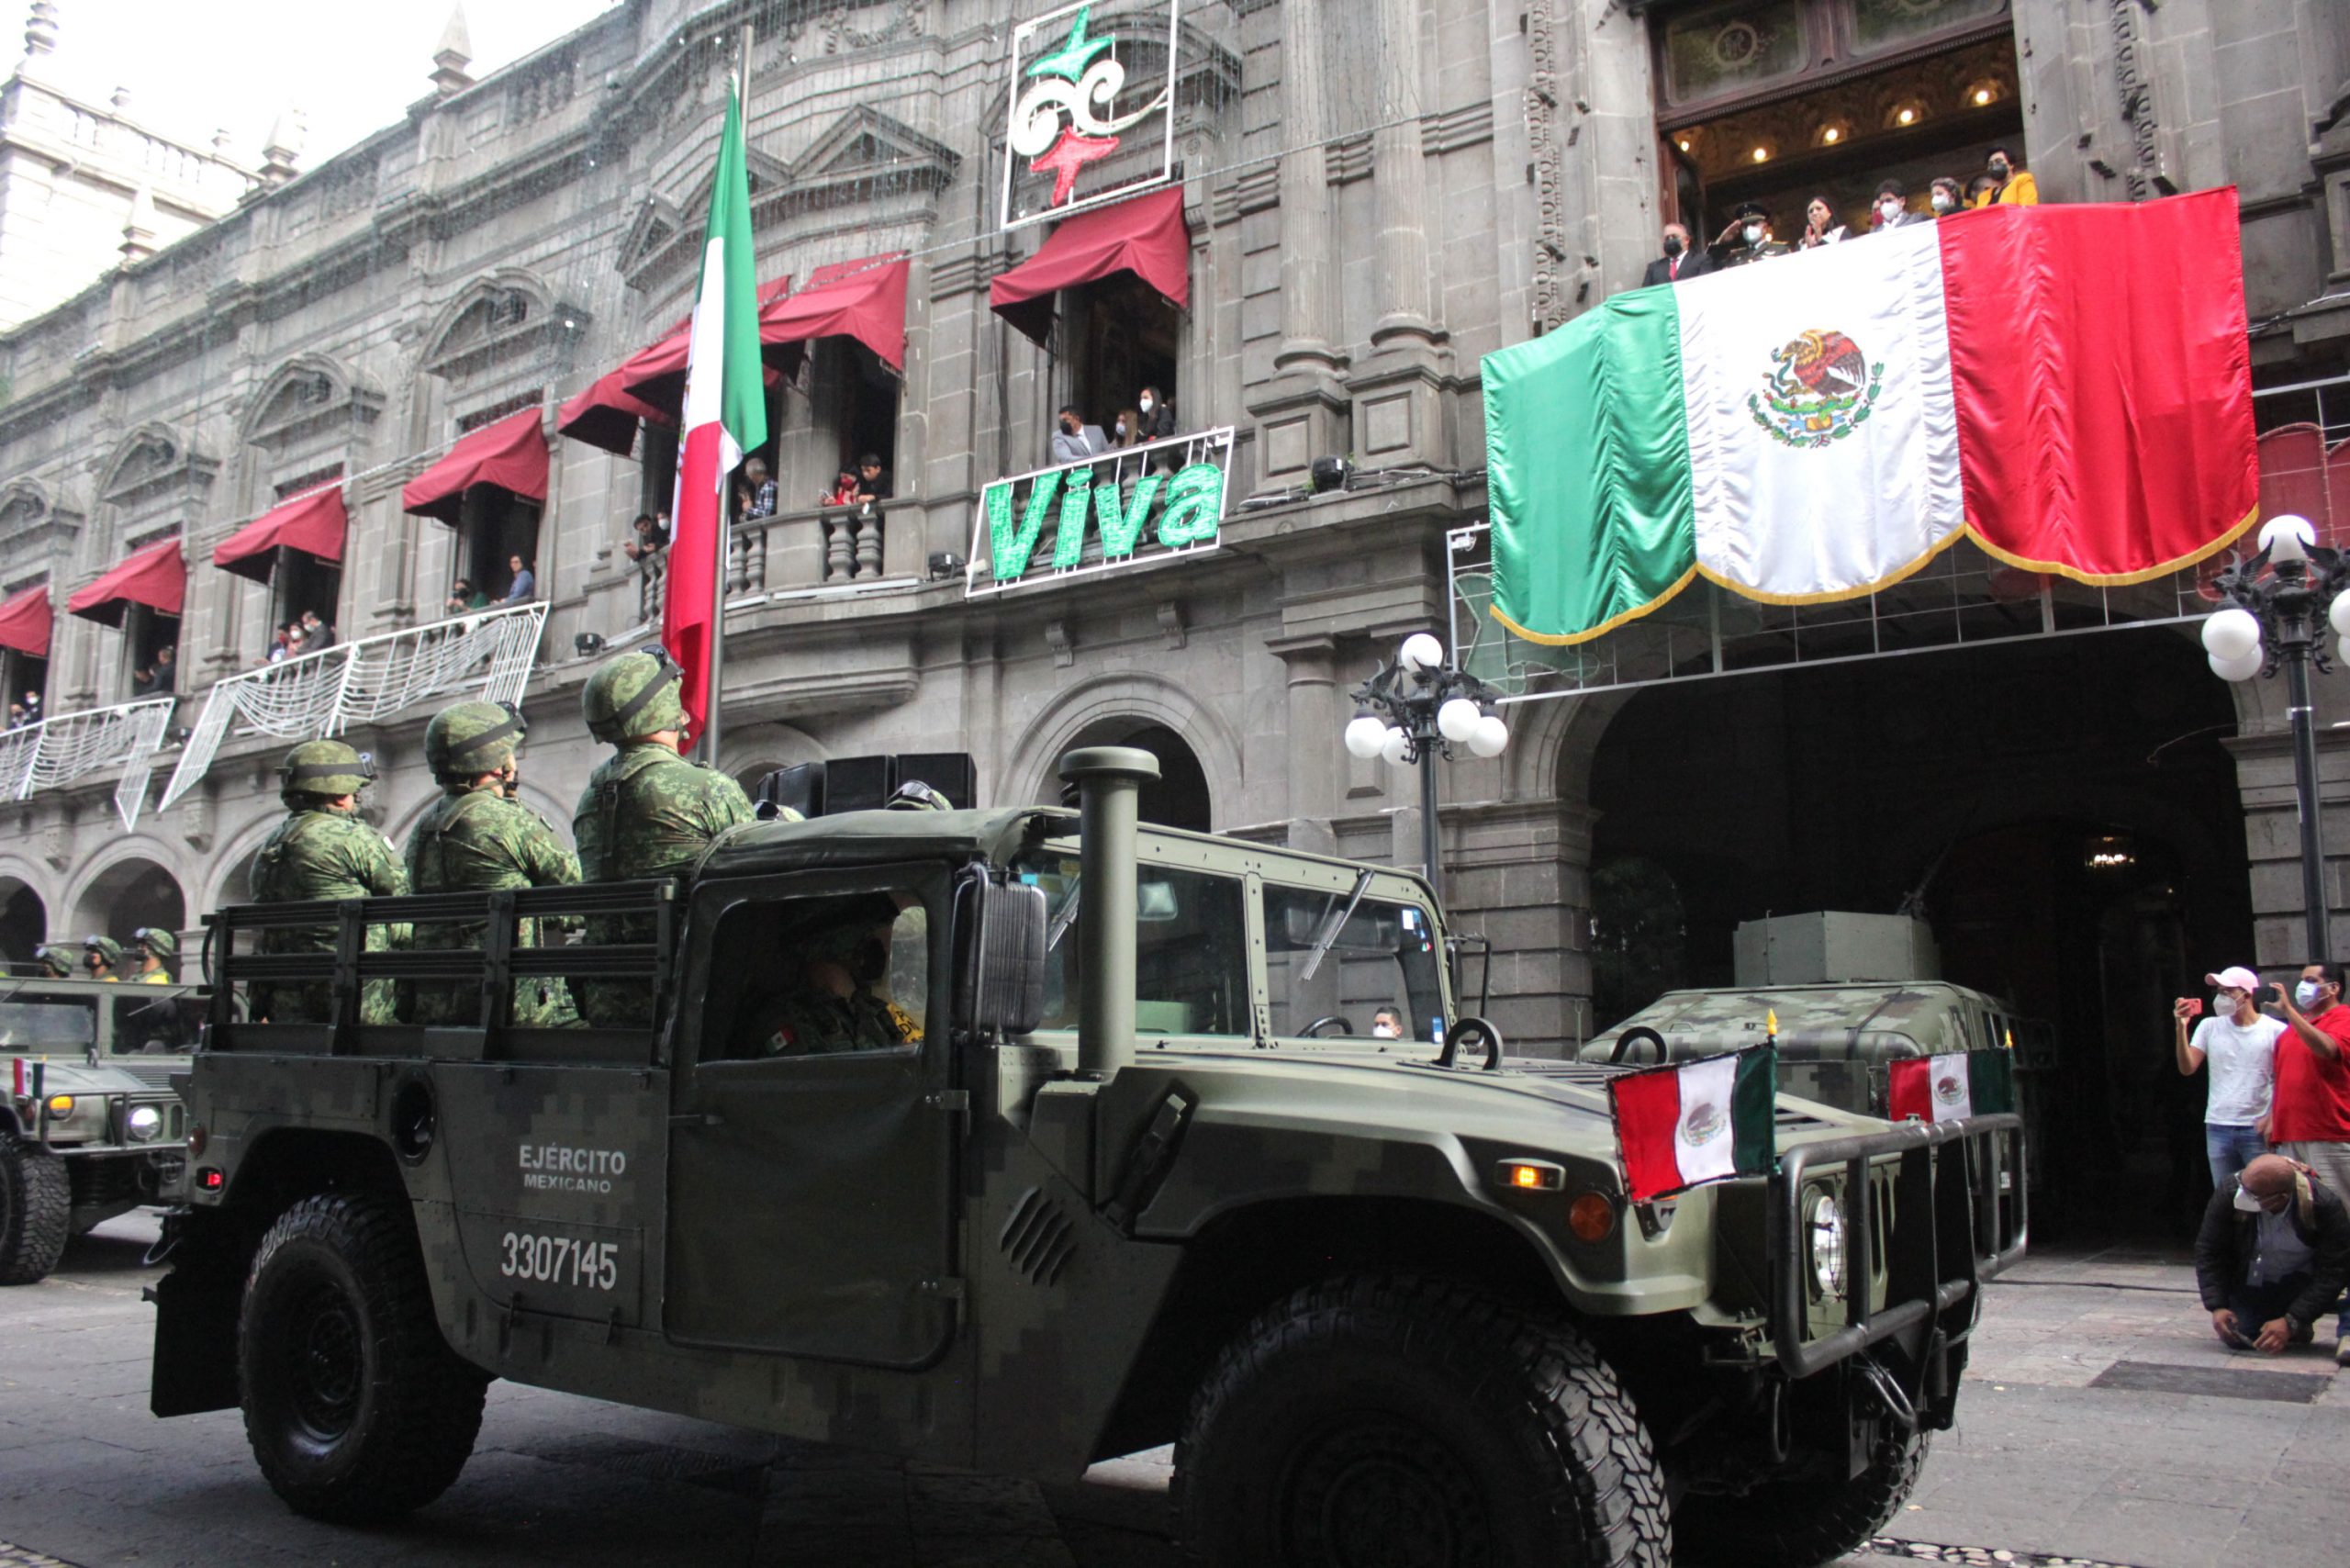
x,y
1700,1121
1947,1088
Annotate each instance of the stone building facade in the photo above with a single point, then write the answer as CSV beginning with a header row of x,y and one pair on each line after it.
x,y
1375,191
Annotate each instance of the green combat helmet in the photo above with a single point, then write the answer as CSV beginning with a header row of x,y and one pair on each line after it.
x,y
470,739
634,694
57,960
159,942
323,771
915,795
105,947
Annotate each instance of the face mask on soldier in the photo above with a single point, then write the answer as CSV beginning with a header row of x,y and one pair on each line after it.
x,y
869,962
1754,234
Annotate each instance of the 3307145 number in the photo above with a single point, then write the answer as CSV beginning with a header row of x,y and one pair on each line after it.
x,y
561,1260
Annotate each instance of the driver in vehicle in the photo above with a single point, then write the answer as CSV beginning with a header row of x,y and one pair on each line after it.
x,y
835,1007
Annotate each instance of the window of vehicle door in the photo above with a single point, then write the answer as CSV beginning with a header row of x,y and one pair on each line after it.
x,y
1342,962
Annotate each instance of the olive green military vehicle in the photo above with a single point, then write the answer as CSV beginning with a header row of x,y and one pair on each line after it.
x,y
1133,1169
89,1126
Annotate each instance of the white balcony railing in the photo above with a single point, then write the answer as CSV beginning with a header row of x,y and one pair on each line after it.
x,y
488,655
1125,508
73,745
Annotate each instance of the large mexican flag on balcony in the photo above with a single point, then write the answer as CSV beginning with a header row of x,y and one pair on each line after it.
x,y
2068,386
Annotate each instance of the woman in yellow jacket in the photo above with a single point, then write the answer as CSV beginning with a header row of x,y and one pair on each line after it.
x,y
2013,186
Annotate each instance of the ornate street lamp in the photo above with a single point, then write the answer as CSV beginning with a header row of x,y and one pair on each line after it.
x,y
1418,710
2280,602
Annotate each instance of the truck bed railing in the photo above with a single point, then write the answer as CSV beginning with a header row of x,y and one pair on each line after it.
x,y
1958,1217
346,966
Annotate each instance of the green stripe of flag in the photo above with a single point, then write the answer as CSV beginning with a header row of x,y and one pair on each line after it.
x,y
1587,461
1991,1081
741,404
1754,1112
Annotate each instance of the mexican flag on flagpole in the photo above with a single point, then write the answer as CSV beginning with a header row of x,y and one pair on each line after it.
x,y
725,415
1700,1121
1950,1088
2068,386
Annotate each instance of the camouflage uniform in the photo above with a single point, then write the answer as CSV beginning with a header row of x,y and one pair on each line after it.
x,y
58,961
321,853
109,949
813,1023
164,948
475,840
645,813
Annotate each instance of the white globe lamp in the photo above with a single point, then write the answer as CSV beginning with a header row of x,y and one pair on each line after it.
x,y
1457,720
2231,634
1366,734
2286,537
1421,652
2339,614
1397,747
1491,736
2242,668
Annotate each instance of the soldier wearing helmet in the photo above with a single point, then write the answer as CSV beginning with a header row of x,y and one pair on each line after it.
x,y
647,811
837,1004
915,795
158,950
478,838
102,955
57,960
323,851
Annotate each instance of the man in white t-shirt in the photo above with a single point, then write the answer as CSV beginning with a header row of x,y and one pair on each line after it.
x,y
2239,1042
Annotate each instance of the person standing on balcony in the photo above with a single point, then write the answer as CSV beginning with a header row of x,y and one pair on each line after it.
x,y
1074,440
32,706
2010,185
525,584
1158,415
316,635
463,597
650,539
762,499
160,678
872,479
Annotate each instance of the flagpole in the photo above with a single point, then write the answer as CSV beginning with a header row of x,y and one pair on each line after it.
x,y
709,747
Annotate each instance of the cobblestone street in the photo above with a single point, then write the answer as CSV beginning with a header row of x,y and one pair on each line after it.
x,y
2102,1424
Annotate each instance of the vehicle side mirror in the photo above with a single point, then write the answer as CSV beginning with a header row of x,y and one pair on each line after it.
x,y
1002,988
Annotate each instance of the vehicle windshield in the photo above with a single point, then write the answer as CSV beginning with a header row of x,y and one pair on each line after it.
x,y
151,1025
1342,967
54,1025
1191,948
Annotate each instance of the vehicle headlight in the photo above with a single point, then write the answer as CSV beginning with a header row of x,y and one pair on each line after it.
x,y
1824,1232
144,1123
60,1107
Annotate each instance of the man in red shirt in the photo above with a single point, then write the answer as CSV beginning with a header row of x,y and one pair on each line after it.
x,y
2309,1119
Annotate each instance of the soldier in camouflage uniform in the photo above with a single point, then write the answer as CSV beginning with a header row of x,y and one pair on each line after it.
x,y
102,955
323,851
836,1008
57,960
645,813
474,839
158,951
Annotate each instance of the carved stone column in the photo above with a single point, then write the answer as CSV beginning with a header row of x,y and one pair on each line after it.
x,y
1315,740
1301,412
1399,411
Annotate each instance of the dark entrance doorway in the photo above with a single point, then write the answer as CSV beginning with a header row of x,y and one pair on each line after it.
x,y
1180,797
2062,812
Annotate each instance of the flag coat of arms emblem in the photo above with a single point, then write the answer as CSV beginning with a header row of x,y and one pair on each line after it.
x,y
1693,1122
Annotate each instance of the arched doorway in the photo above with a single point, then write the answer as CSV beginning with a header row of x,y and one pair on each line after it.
x,y
2062,812
127,895
24,921
1180,797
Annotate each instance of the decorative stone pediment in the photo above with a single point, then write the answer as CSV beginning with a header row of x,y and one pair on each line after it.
x,y
865,142
307,395
154,460
507,315
657,222
34,520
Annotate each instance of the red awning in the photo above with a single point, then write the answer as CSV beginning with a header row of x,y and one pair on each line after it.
x,y
656,376
1146,237
312,523
862,299
607,414
155,577
24,622
510,455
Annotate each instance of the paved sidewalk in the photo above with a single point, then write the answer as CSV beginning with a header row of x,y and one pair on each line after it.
x,y
2102,1424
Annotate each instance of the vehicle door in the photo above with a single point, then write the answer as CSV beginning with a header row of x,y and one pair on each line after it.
x,y
1345,960
812,1172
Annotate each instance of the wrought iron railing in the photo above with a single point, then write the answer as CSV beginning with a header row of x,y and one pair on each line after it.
x,y
69,746
489,654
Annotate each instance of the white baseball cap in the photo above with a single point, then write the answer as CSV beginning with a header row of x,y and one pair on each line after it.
x,y
2235,977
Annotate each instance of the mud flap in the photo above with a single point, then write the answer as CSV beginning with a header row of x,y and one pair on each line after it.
x,y
195,1321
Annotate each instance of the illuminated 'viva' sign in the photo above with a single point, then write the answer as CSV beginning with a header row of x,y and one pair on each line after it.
x,y
1078,133
1123,509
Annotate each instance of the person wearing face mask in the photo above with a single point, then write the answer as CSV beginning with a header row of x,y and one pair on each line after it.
x,y
1893,207
1074,440
2309,1119
2239,1042
1387,1024
1820,226
836,1007
1747,239
2010,185
2273,1253
1680,260
1948,195
1157,416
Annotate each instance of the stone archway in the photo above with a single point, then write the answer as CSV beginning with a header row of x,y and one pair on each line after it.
x,y
1106,709
1179,796
24,919
128,894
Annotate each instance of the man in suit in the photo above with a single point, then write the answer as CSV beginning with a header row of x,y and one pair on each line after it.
x,y
1074,440
1680,259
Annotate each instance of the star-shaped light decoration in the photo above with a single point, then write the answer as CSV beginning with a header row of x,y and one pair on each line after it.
x,y
1076,51
1067,157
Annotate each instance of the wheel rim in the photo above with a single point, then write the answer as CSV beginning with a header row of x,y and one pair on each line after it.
x,y
324,1363
1373,1491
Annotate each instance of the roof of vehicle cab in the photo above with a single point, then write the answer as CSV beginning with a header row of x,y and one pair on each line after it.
x,y
873,838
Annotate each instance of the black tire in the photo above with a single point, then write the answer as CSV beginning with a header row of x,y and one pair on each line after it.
x,y
1801,1524
1409,1422
356,1406
36,1210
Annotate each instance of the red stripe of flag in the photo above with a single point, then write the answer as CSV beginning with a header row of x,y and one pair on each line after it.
x,y
1647,1110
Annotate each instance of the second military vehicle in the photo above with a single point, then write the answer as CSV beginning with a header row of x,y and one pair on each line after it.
x,y
1015,1139
89,1126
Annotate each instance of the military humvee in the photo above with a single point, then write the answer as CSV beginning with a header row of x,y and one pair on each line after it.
x,y
89,1126
1142,1174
